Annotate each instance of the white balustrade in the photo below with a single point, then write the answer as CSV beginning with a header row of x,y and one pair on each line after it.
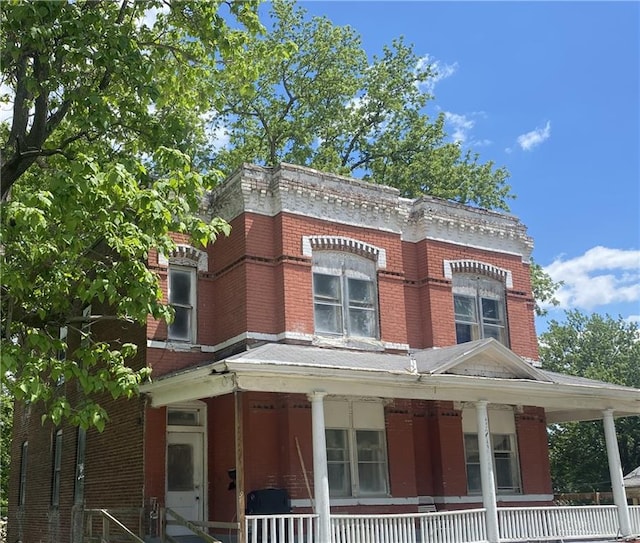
x,y
281,528
465,526
549,523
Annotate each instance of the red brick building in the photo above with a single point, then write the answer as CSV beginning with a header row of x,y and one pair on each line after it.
x,y
344,345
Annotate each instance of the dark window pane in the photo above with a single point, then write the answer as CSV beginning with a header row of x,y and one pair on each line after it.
x,y
182,417
180,287
465,308
464,333
491,310
180,328
179,467
360,293
326,287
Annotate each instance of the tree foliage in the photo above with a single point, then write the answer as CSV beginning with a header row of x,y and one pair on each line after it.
x,y
109,100
324,104
602,348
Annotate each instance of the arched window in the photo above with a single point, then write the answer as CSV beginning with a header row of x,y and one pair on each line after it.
x,y
184,263
479,301
345,295
345,289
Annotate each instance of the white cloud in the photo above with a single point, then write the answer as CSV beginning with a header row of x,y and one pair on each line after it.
x,y
534,138
599,277
633,318
440,70
460,126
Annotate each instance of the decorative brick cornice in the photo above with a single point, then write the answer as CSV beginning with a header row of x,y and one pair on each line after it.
x,y
450,222
304,191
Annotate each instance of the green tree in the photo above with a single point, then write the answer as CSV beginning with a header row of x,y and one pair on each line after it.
x,y
109,101
602,348
325,105
6,424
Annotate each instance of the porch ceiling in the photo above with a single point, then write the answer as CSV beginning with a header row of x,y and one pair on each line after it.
x,y
481,370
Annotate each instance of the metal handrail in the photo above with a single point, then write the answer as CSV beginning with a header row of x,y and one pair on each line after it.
x,y
189,526
107,519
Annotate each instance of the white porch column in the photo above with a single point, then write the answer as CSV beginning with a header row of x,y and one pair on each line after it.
x,y
487,479
615,470
320,472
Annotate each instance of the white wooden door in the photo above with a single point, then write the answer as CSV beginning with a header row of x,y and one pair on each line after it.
x,y
185,478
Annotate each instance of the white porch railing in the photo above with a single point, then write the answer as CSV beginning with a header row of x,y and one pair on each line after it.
x,y
282,528
466,526
448,527
548,523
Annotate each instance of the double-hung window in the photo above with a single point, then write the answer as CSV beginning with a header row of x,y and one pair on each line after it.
x,y
344,295
356,449
22,489
182,298
504,449
479,308
57,466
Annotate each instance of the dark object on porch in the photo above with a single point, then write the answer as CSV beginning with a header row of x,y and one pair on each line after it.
x,y
268,501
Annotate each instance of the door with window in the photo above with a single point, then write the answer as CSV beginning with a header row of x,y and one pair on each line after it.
x,y
185,478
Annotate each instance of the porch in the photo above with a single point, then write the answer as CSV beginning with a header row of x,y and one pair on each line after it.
x,y
479,380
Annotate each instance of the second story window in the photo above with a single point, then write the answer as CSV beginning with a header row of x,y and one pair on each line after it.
x,y
344,295
182,297
479,308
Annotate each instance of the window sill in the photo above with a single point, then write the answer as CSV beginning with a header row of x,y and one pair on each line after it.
x,y
355,343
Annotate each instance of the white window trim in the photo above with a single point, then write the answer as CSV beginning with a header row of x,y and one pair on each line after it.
x,y
193,302
186,255
481,268
462,291
348,423
501,422
342,243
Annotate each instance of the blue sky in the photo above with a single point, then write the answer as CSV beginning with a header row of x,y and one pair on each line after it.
x,y
551,91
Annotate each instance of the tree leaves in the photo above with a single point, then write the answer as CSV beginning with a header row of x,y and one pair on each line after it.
x,y
319,101
98,170
602,348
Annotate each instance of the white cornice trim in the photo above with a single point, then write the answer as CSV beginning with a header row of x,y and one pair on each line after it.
x,y
310,193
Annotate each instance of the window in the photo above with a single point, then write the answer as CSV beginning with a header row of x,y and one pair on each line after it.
x,y
182,297
81,444
356,449
57,465
85,329
503,443
479,308
23,473
183,417
344,295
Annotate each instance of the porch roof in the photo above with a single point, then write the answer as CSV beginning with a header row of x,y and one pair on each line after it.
x,y
479,370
